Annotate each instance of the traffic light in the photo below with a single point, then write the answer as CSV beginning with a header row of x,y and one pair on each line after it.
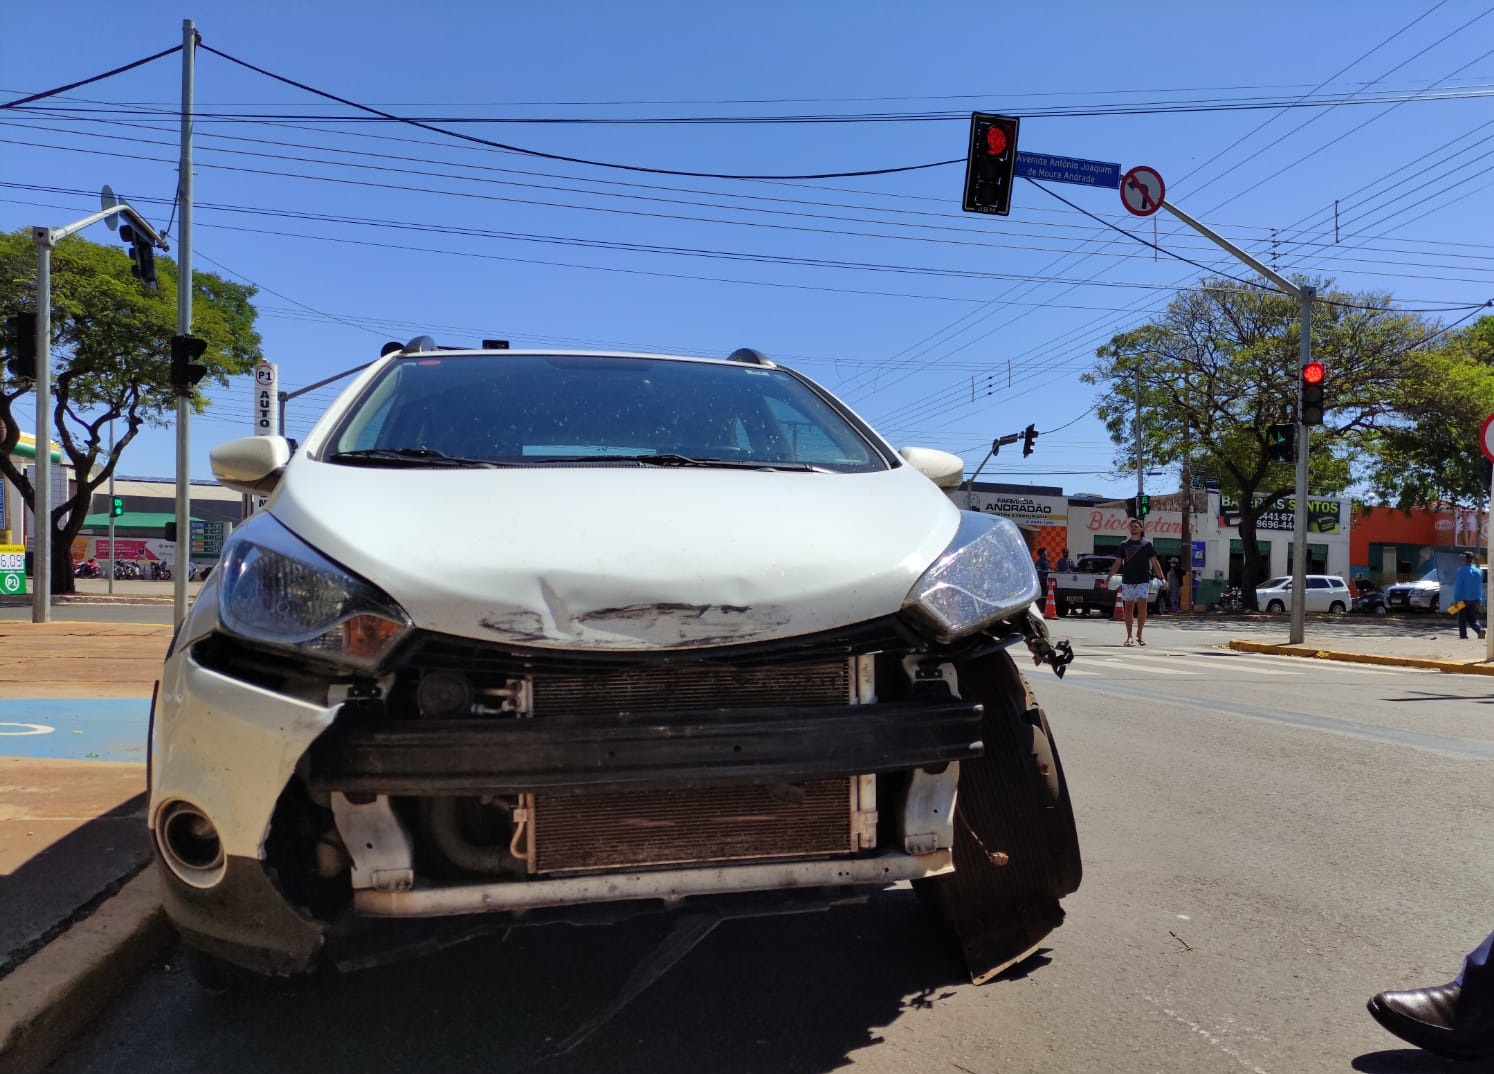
x,y
116,506
142,253
185,369
1281,443
990,164
1028,436
1143,505
1313,376
20,345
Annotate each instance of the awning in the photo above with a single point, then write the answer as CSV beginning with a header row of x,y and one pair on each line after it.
x,y
132,520
26,448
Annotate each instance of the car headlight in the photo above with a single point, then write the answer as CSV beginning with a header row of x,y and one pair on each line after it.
x,y
277,589
984,575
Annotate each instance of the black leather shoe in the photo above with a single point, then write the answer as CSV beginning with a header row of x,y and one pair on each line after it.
x,y
1438,1019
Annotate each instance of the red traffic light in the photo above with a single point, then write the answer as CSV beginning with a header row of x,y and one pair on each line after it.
x,y
1312,372
995,141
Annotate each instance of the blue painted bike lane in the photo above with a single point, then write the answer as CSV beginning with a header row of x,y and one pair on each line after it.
x,y
75,729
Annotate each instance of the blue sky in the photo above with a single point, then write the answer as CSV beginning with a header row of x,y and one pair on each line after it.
x,y
942,328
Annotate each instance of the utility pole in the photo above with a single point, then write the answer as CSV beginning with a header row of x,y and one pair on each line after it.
x,y
1304,295
1185,579
184,328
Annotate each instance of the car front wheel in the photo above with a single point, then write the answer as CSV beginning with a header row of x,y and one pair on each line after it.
x,y
1016,848
1276,607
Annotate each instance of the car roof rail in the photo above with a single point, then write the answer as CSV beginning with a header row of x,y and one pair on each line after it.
x,y
750,357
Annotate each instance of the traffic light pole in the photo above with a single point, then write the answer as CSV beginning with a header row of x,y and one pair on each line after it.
x,y
1299,522
45,239
1303,295
41,498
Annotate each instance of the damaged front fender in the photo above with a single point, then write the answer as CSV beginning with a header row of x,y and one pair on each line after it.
x,y
1016,848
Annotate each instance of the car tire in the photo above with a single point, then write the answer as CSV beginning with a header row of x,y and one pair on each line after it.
x,y
1432,607
1275,607
1337,608
1014,799
1380,609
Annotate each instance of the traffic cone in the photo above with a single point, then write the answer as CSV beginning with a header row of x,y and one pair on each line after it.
x,y
1120,612
1050,609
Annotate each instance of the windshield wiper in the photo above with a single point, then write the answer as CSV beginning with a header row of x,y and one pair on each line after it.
x,y
665,458
406,456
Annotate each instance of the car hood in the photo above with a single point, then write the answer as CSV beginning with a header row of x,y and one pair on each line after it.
x,y
609,557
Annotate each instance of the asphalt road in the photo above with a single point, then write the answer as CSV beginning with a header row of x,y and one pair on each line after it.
x,y
1268,841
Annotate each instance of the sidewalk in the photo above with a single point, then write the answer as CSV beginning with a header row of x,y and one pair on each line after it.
x,y
1427,641
82,914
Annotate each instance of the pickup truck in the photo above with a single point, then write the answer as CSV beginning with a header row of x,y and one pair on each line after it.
x,y
1091,586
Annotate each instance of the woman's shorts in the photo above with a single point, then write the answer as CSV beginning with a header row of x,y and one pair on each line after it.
x,y
1139,591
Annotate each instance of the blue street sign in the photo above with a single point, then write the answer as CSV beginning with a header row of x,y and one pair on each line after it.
x,y
1069,170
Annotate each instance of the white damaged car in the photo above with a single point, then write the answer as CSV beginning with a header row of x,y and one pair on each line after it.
x,y
527,636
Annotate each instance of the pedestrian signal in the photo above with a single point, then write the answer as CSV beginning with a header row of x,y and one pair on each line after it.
x,y
116,508
1281,443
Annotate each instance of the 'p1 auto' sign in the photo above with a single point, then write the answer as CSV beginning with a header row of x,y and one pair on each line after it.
x,y
266,400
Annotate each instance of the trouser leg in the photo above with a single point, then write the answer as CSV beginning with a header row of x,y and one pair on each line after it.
x,y
1479,962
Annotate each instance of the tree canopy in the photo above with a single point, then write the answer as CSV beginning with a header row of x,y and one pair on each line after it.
x,y
1222,365
110,360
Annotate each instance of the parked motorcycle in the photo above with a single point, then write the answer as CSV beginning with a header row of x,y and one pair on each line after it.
x,y
88,569
1371,604
1231,600
126,568
161,572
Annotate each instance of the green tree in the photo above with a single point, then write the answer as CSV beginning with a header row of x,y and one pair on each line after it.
x,y
1222,364
110,361
1430,452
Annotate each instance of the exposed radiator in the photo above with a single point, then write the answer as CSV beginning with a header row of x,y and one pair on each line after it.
x,y
665,688
638,829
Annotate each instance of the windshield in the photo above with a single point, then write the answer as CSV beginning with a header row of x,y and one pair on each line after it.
x,y
533,409
1278,583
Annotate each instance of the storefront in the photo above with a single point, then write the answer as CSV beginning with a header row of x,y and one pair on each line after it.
x,y
1391,545
1041,513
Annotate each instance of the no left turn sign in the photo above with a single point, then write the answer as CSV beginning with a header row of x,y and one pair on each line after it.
x,y
1142,191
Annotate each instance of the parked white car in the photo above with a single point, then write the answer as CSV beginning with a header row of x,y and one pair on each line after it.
x,y
550,636
1325,593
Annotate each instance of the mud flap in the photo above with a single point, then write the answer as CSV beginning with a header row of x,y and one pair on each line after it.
x,y
1016,848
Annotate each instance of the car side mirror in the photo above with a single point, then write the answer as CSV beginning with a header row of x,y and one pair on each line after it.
x,y
943,469
251,464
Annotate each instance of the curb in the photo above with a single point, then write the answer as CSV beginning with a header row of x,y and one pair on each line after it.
x,y
1455,667
48,1000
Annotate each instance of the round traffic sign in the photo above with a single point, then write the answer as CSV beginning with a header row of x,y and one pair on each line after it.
x,y
1142,190
1486,437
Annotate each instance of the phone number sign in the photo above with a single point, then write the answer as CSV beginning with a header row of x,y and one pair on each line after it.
x,y
12,569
